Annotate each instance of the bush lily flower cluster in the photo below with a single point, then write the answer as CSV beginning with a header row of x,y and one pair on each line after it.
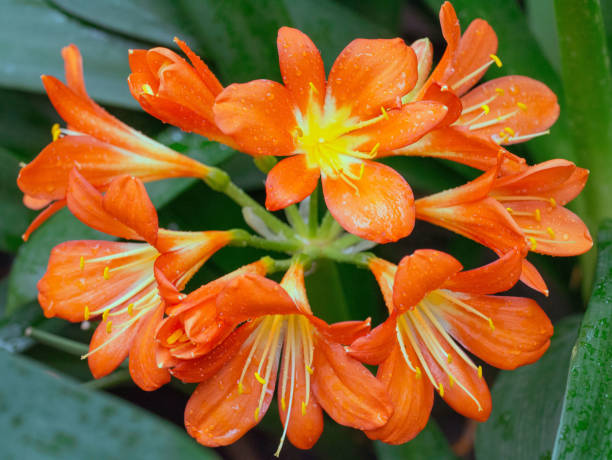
x,y
242,335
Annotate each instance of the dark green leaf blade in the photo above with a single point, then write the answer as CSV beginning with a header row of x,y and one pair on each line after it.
x,y
527,403
46,416
585,426
429,444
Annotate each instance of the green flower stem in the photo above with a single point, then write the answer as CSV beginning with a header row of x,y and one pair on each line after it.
x,y
345,241
313,213
116,378
55,341
361,259
329,229
275,265
244,238
220,181
295,219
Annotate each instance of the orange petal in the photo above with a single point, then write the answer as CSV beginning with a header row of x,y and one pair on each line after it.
x,y
533,105
411,395
498,276
381,209
402,126
219,411
87,205
346,390
452,34
520,334
474,190
477,44
250,296
384,272
301,66
484,221
143,366
73,66
532,278
202,69
459,144
370,74
75,277
423,49
442,95
42,217
558,232
346,332
374,347
282,188
420,273
258,115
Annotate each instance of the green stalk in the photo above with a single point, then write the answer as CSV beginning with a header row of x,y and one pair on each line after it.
x,y
116,378
243,238
313,213
46,338
329,229
295,219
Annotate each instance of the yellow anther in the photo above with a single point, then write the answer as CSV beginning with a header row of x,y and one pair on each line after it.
x,y
441,389
499,91
131,309
496,59
449,358
109,327
55,131
509,130
106,273
146,88
86,313
417,371
82,263
384,112
257,414
260,379
533,242
183,338
313,87
240,388
503,134
105,314
491,325
498,118
451,380
174,336
374,150
485,108
303,408
309,369
552,201
537,214
361,170
521,106
299,131
551,232
283,404
479,371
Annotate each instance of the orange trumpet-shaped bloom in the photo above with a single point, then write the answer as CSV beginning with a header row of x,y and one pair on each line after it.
x,y
433,305
170,89
334,129
95,142
498,213
504,110
114,281
282,339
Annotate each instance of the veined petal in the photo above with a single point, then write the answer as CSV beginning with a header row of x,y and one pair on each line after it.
x,y
497,276
301,67
420,273
442,95
42,217
282,188
370,74
73,67
532,278
423,49
374,347
459,144
201,68
143,366
379,209
474,190
411,395
258,115
384,272
346,390
346,332
402,126
532,104
476,46
519,335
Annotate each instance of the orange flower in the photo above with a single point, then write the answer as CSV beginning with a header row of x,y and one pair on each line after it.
x,y
115,281
170,89
334,129
504,110
527,206
315,373
98,144
432,304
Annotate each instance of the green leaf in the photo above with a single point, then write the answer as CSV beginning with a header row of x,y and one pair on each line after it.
x,y
527,403
31,261
46,416
540,14
429,444
585,426
33,34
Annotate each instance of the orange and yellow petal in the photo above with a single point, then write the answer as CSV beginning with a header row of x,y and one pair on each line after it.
x,y
282,188
451,30
532,278
377,207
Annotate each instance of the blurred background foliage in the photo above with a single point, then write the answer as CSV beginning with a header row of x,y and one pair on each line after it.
x,y
49,408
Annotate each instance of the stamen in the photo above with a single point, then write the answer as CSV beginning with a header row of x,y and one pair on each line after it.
x,y
509,130
291,348
86,313
257,414
402,346
283,404
480,371
552,202
384,112
451,380
418,372
130,309
313,88
109,327
538,215
82,263
521,106
496,59
441,390
527,137
55,131
105,314
240,388
303,408
174,336
146,89
533,243
551,232
479,105
499,91
309,369
485,108
106,274
259,378
491,325
493,121
449,359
